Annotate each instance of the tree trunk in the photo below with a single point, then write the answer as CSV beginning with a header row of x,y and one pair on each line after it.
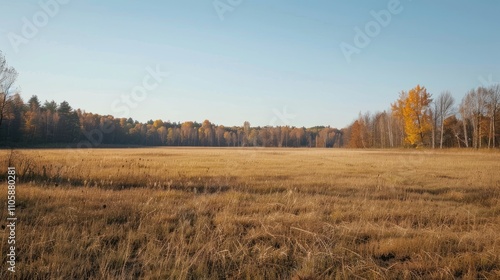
x,y
489,134
466,140
494,131
433,135
478,143
442,132
389,127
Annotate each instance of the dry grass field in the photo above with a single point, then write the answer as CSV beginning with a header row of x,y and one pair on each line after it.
x,y
194,213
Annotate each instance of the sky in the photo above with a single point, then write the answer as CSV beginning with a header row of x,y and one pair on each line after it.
x,y
297,63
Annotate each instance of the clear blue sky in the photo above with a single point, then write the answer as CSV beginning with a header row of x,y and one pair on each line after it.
x,y
263,57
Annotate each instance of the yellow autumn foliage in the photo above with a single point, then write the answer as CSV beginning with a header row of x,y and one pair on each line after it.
x,y
412,108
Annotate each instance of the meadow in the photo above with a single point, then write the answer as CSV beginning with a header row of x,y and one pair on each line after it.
x,y
255,213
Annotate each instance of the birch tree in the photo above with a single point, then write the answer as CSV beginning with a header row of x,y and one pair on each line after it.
x,y
444,106
493,106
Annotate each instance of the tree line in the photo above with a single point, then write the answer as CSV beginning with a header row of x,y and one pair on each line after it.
x,y
415,119
34,123
49,123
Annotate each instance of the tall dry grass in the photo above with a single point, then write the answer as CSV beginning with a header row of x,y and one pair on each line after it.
x,y
196,213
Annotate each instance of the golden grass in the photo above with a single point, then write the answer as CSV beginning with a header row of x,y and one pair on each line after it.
x,y
194,213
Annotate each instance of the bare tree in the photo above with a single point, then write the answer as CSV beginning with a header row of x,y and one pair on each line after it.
x,y
444,108
473,108
433,113
480,112
465,115
8,76
493,104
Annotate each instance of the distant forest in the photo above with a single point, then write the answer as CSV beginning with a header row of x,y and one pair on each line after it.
x,y
33,123
428,123
415,119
